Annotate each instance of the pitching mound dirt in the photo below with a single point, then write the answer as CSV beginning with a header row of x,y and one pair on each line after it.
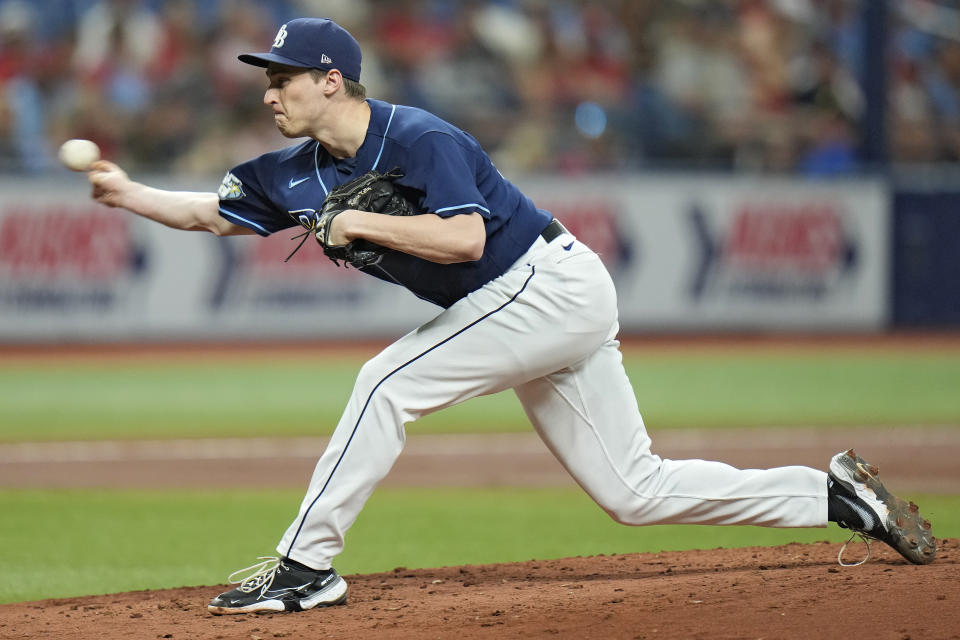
x,y
793,591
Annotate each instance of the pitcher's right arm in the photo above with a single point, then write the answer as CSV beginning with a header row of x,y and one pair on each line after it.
x,y
187,210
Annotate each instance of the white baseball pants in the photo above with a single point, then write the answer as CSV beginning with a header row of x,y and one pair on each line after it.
x,y
547,329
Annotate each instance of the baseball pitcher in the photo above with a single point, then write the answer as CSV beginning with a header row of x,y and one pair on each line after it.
x,y
404,196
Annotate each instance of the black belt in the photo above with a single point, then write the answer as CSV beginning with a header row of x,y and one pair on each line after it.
x,y
553,231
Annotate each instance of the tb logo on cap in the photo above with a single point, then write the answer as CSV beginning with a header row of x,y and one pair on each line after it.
x,y
281,37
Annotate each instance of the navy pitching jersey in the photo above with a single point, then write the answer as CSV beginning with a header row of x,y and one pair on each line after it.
x,y
446,172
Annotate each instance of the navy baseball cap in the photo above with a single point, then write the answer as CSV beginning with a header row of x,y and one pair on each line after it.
x,y
313,43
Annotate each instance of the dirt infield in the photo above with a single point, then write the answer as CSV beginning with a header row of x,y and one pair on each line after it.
x,y
493,460
298,350
793,591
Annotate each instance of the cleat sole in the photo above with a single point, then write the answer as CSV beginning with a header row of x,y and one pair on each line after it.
x,y
907,531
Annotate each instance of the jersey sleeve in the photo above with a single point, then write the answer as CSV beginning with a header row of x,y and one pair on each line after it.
x,y
444,170
244,201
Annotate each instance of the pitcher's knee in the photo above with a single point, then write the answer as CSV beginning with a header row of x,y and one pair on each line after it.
x,y
637,506
372,374
624,509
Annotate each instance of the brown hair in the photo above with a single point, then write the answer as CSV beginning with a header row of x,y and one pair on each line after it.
x,y
352,89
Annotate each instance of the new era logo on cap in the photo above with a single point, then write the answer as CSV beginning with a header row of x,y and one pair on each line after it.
x,y
312,43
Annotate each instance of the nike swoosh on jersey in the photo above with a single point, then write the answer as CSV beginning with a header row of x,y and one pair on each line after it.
x,y
567,247
293,183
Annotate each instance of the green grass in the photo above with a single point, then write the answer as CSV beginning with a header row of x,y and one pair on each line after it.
x,y
69,543
820,388
271,395
138,399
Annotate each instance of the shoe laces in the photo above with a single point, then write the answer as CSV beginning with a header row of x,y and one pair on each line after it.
x,y
258,576
856,534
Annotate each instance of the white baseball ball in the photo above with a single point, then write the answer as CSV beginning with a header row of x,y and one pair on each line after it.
x,y
78,155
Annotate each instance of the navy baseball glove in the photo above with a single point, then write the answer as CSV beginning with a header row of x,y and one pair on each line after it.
x,y
373,191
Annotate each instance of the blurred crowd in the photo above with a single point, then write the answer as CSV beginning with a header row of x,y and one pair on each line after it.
x,y
554,86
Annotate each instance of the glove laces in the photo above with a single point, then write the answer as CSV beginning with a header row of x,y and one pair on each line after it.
x,y
308,222
304,235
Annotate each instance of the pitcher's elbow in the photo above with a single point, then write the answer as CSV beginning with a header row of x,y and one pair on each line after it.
x,y
474,250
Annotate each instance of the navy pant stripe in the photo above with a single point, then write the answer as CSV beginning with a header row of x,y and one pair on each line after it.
x,y
384,379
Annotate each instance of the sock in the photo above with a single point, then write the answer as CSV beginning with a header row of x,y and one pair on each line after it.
x,y
293,564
